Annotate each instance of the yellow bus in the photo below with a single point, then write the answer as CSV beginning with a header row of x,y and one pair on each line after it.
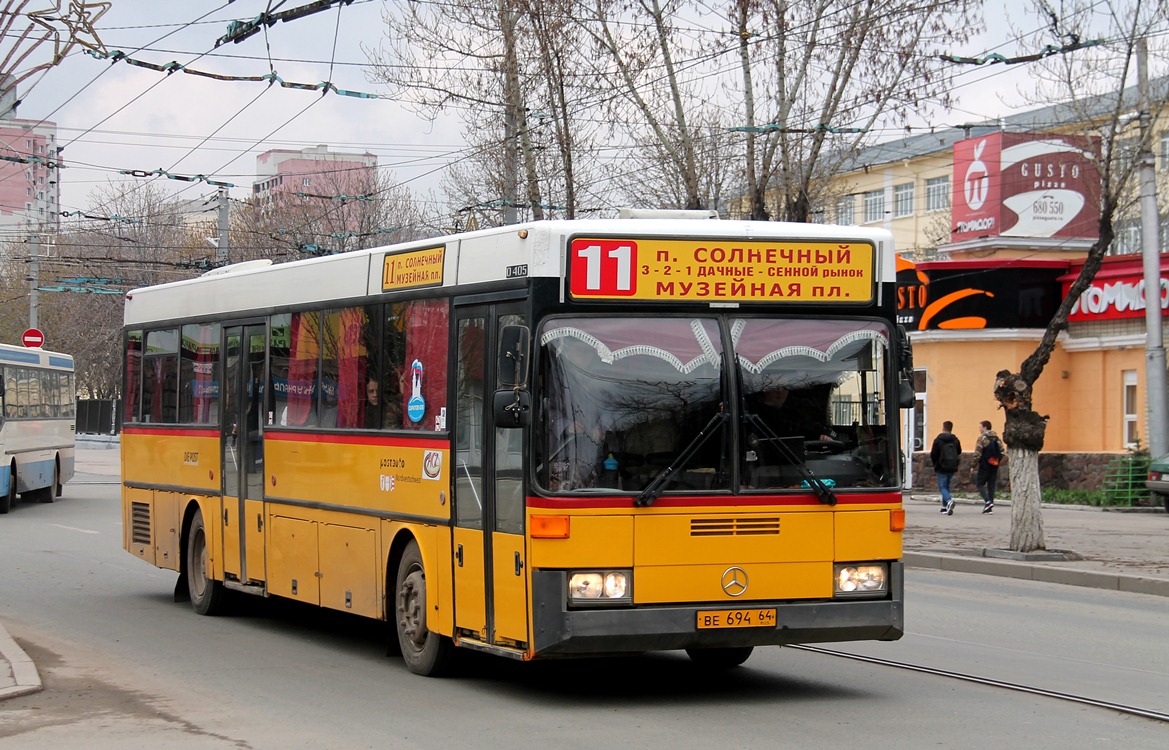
x,y
550,439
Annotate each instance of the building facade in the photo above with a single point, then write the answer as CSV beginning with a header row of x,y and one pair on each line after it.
x,y
992,222
29,175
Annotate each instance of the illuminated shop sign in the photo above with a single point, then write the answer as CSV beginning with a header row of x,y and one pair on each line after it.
x,y
952,295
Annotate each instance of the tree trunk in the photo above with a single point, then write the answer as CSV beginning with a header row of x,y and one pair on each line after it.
x,y
1026,515
1024,432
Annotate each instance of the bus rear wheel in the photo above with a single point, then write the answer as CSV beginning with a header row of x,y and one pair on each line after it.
x,y
48,494
719,658
206,593
425,652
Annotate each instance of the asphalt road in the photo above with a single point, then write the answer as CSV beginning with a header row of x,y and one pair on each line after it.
x,y
124,665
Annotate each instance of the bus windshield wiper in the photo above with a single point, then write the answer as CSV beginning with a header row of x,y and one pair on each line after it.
x,y
822,490
654,489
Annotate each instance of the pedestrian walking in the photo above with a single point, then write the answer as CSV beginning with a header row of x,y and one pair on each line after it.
x,y
945,455
988,453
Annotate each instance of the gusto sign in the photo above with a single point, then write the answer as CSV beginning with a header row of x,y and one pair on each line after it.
x,y
1025,185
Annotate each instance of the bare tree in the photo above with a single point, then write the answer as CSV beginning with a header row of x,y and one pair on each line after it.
x,y
344,212
506,67
823,75
1097,84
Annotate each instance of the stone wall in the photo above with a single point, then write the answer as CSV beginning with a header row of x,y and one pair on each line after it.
x,y
1066,471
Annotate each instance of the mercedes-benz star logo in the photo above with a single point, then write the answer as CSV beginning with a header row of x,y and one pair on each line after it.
x,y
735,581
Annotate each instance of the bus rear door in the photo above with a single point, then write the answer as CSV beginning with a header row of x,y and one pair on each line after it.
x,y
243,454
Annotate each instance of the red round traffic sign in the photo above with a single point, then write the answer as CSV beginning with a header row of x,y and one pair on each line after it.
x,y
32,337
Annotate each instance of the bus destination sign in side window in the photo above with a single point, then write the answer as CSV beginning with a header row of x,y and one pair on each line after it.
x,y
717,270
416,268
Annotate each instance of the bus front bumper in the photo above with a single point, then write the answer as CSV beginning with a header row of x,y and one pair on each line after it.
x,y
560,631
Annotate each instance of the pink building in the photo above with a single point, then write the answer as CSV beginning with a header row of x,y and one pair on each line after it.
x,y
29,178
314,171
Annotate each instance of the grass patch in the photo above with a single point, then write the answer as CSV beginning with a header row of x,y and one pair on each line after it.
x,y
1083,497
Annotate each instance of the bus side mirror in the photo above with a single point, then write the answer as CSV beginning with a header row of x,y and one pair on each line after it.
x,y
512,408
906,395
512,363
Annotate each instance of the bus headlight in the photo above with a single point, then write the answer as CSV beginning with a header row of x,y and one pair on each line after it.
x,y
861,579
599,587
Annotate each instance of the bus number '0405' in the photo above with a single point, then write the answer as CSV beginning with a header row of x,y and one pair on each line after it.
x,y
603,268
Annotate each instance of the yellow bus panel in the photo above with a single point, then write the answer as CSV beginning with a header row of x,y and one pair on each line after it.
x,y
679,539
865,535
656,584
595,541
138,523
173,458
356,473
292,562
349,569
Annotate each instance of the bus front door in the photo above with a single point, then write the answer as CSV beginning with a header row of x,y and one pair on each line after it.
x,y
243,453
490,559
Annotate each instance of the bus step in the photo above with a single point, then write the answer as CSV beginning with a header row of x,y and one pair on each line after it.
x,y
487,648
255,589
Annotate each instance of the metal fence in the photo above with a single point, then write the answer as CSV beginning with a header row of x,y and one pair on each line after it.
x,y
99,417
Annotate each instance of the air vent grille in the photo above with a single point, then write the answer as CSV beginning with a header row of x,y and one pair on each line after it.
x,y
140,523
754,526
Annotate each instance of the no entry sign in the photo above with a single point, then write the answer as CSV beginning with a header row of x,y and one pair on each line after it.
x,y
32,337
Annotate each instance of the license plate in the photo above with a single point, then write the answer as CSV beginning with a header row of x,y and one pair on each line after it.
x,y
736,618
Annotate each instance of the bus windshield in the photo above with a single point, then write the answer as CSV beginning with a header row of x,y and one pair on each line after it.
x,y
628,401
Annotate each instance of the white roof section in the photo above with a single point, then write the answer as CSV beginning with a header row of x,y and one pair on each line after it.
x,y
478,257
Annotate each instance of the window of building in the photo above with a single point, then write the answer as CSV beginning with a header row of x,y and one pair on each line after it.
x,y
937,194
1128,238
846,210
1165,151
306,181
874,202
920,389
1131,409
903,200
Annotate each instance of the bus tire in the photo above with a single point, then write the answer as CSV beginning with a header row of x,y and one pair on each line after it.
x,y
719,658
425,652
206,593
48,494
9,499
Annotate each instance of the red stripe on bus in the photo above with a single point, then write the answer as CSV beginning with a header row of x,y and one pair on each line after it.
x,y
737,501
388,440
171,431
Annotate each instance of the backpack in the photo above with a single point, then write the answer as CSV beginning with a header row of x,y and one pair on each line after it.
x,y
948,457
993,452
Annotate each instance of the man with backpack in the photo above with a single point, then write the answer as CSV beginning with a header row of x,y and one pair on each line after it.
x,y
988,453
944,455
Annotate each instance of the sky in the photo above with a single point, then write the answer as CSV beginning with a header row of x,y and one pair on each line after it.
x,y
115,117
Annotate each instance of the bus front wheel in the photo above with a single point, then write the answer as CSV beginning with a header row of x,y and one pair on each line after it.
x,y
206,593
719,658
424,651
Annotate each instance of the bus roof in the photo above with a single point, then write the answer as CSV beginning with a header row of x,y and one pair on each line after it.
x,y
533,249
11,354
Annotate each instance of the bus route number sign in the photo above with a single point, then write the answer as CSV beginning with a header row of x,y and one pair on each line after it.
x,y
721,271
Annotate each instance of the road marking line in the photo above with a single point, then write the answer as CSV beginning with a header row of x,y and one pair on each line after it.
x,y
74,528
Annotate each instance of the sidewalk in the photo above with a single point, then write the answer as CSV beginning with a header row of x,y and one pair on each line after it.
x,y
1119,550
1123,549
